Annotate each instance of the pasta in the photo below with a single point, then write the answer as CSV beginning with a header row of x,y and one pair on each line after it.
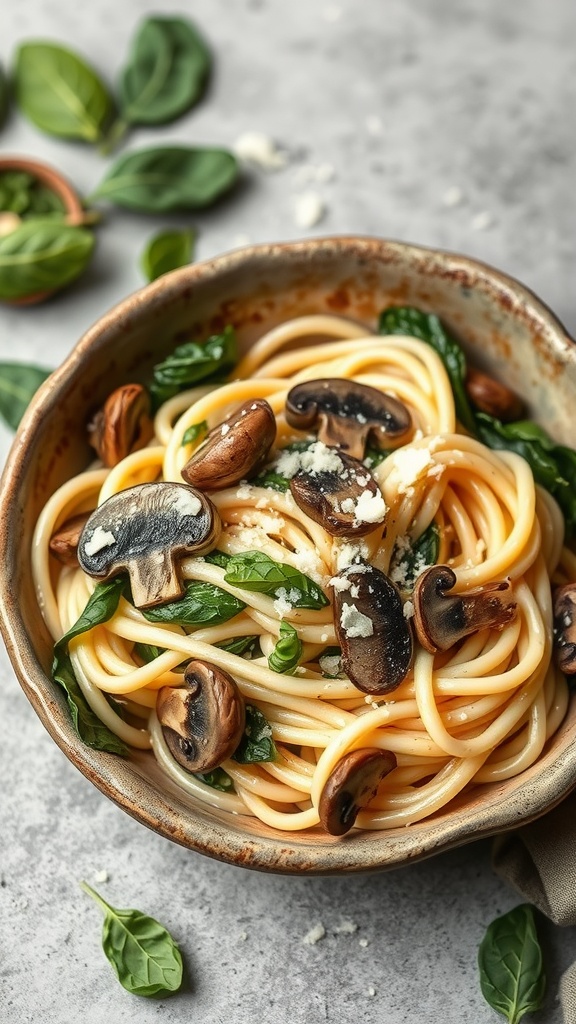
x,y
478,712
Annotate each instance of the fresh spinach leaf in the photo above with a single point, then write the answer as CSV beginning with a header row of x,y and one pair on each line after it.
x,y
167,251
287,650
193,362
510,962
4,98
25,195
142,952
90,729
169,178
18,383
408,561
202,604
148,652
196,432
166,72
42,255
256,743
219,558
217,779
239,645
60,93
256,571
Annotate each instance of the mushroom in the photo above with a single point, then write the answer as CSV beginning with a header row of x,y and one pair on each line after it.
x,y
351,786
203,720
565,628
338,492
375,636
441,620
347,414
489,395
144,530
64,542
123,425
234,449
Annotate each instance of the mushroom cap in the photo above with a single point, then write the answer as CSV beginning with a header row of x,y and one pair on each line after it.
x,y
123,425
565,628
345,498
442,620
375,636
203,720
233,450
351,786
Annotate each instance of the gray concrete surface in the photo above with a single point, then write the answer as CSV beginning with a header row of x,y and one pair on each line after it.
x,y
406,101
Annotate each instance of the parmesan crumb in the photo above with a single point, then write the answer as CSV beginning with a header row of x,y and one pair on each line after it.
x,y
244,491
99,540
314,935
355,623
259,149
482,221
243,936
370,508
371,991
408,609
346,928
101,876
309,210
363,943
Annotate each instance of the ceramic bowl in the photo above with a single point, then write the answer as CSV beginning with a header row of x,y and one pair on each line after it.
x,y
506,329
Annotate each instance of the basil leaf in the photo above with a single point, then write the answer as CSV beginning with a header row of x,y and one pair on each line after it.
x,y
256,743
60,93
169,178
148,652
193,362
4,98
239,645
87,724
427,327
166,73
409,561
42,256
195,433
167,251
287,650
256,571
101,606
202,604
217,558
143,954
18,383
217,779
510,961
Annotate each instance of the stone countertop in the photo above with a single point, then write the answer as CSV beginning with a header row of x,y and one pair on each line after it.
x,y
443,123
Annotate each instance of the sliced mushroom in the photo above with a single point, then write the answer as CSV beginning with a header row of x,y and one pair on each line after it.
x,y
123,425
490,396
351,786
64,542
144,530
375,636
203,720
338,492
347,414
565,628
441,619
235,449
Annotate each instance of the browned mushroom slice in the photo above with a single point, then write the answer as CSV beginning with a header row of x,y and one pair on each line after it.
x,y
441,619
123,425
351,786
203,720
565,628
490,396
347,414
145,530
64,541
338,492
375,636
233,450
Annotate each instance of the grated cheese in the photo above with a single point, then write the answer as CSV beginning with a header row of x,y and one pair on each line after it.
x,y
355,623
99,540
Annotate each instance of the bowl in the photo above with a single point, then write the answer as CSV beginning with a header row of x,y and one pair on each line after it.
x,y
507,331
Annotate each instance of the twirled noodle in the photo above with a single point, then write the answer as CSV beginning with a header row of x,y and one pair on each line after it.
x,y
479,713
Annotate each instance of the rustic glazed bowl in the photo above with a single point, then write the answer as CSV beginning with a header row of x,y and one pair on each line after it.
x,y
505,329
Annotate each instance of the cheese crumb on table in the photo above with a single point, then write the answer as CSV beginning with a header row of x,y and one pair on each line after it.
x,y
314,935
258,148
309,209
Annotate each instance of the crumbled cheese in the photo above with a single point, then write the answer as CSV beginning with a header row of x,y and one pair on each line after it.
x,y
101,876
363,943
370,508
262,503
318,458
99,540
308,562
259,149
309,209
408,609
243,936
480,547
314,935
409,465
186,503
436,471
340,583
224,429
371,990
348,506
453,196
285,600
482,221
355,623
346,928
330,665
347,553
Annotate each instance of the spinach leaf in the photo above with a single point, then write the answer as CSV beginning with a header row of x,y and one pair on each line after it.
x,y
217,779
202,604
427,327
287,650
42,255
101,606
167,251
4,98
409,561
195,432
166,73
510,962
219,558
239,645
87,724
23,194
60,93
193,362
169,178
143,954
256,571
18,383
256,743
148,652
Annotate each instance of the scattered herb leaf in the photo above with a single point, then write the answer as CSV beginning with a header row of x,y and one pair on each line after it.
x,y
256,571
87,724
217,779
257,743
219,558
287,650
510,962
18,383
239,645
167,251
42,255
193,362
148,652
195,432
202,604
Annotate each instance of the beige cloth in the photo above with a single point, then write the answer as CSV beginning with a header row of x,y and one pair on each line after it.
x,y
539,860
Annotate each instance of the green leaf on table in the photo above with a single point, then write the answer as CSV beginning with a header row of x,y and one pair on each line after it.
x,y
142,952
60,93
216,779
169,178
19,382
42,255
191,363
90,729
167,251
287,650
256,743
510,961
166,73
203,604
195,432
256,571
4,99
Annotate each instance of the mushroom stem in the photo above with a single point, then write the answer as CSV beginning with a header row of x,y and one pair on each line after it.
x,y
335,432
154,580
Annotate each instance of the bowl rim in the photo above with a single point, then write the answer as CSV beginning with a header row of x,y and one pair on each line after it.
x,y
289,853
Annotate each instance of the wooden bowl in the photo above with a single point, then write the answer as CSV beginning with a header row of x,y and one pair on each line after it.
x,y
507,330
